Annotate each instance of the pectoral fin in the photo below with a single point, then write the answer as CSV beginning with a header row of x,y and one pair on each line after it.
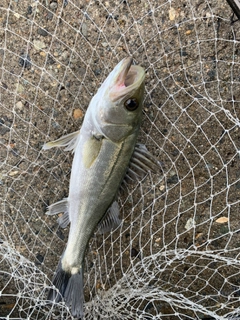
x,y
111,219
69,141
142,162
58,207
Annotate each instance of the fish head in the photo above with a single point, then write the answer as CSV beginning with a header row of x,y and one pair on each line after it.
x,y
119,101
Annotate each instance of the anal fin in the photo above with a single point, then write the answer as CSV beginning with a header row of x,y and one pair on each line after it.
x,y
64,221
58,207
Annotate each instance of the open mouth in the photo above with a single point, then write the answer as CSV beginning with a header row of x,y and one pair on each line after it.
x,y
126,79
129,74
125,66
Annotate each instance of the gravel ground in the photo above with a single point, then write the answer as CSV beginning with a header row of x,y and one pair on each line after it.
x,y
53,57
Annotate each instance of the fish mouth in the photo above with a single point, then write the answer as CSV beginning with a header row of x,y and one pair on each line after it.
x,y
124,78
128,78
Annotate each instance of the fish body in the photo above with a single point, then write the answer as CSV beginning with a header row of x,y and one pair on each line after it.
x,y
92,191
102,149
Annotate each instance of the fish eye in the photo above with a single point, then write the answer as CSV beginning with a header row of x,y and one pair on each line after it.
x,y
131,104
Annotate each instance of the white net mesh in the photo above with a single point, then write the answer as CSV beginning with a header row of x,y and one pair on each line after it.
x,y
176,256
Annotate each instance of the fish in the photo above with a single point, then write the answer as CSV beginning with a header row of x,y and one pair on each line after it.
x,y
105,153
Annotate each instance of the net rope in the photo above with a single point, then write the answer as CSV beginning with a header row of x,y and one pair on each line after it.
x,y
176,254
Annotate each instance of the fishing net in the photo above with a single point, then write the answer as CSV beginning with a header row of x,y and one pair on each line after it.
x,y
176,254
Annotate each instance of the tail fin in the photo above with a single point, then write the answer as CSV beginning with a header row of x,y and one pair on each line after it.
x,y
70,287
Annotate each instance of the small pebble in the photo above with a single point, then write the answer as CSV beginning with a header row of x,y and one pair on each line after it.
x,y
17,15
53,6
98,285
26,104
13,173
50,59
42,32
190,224
97,72
65,55
49,16
19,105
38,44
173,179
15,152
77,114
19,88
135,253
60,234
162,188
3,85
4,126
84,29
43,54
29,10
172,14
104,44
182,53
39,257
222,220
25,61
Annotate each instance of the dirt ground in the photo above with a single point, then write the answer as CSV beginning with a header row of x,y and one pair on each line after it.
x,y
53,57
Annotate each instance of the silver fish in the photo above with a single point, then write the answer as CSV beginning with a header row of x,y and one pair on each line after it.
x,y
105,151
